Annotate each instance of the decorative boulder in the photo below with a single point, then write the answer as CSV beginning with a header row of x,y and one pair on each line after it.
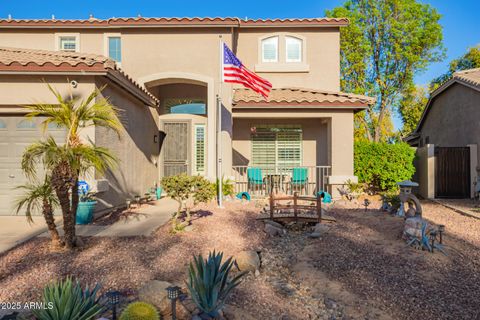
x,y
155,292
273,231
248,261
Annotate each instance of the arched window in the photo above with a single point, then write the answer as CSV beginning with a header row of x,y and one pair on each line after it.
x,y
293,49
3,124
270,49
26,124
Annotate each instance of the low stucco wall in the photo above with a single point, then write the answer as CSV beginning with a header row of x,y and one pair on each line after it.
x,y
137,170
425,171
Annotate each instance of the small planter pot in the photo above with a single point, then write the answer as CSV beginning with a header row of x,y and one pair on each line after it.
x,y
158,193
85,212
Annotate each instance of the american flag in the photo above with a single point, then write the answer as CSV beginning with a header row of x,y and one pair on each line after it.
x,y
235,72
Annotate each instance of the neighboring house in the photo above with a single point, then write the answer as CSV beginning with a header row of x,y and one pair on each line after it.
x,y
447,139
306,122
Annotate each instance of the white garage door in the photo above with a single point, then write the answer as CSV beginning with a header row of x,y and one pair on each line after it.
x,y
16,133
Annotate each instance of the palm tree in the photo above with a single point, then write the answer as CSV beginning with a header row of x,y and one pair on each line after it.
x,y
39,196
73,159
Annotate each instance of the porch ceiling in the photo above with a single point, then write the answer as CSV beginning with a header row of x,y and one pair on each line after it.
x,y
282,98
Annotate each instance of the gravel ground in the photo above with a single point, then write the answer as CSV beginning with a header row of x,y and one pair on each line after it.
x,y
360,269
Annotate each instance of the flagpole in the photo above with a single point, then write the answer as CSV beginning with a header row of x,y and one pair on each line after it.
x,y
219,129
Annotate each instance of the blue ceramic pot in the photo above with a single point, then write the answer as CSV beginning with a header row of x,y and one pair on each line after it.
x,y
85,212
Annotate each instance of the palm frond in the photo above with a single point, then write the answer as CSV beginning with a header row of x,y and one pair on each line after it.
x,y
33,196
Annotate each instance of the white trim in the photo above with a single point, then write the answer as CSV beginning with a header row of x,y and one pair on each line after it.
x,y
59,35
106,43
300,58
277,49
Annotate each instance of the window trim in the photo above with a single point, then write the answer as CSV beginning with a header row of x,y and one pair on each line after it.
x,y
277,144
195,167
58,36
300,59
106,37
277,58
282,65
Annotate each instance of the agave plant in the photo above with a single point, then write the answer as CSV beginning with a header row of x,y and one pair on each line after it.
x,y
66,300
209,282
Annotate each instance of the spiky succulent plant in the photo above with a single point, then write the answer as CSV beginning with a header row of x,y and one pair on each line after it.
x,y
209,282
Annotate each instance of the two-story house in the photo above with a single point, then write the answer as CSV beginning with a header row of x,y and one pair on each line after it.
x,y
164,74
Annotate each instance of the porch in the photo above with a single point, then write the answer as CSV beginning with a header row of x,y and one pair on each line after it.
x,y
263,180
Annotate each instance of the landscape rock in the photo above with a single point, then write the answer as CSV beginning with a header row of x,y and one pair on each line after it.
x,y
248,261
321,228
273,231
155,292
273,223
314,235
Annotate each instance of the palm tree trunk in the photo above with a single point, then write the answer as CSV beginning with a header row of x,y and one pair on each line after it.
x,y
52,228
74,207
62,183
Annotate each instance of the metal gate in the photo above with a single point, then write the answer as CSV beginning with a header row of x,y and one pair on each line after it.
x,y
175,148
452,172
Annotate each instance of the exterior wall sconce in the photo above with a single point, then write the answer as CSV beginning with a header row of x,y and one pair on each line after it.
x,y
155,138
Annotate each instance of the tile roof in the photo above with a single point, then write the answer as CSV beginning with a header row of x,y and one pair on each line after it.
x,y
300,96
471,76
163,21
44,58
33,60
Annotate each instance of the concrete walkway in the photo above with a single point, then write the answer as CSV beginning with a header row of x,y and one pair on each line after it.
x,y
16,229
140,222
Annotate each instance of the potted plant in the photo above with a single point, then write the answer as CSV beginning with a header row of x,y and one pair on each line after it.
x,y
86,207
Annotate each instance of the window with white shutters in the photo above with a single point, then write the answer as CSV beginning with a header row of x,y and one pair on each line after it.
x,y
293,49
270,49
277,146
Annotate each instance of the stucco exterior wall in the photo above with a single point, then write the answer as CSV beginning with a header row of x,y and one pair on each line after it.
x,y
136,150
20,90
454,118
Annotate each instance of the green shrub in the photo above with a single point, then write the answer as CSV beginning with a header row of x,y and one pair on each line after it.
x,y
182,188
382,165
66,300
209,282
140,311
228,187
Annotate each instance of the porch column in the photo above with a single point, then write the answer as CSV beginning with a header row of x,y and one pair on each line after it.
x,y
341,151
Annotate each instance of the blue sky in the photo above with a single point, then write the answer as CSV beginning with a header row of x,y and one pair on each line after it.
x,y
460,17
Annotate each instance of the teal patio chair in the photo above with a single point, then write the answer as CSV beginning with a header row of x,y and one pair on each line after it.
x,y
255,179
299,179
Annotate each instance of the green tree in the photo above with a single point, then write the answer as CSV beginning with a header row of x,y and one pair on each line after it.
x,y
411,107
69,161
40,197
385,45
470,60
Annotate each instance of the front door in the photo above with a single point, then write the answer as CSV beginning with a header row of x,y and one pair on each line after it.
x,y
176,148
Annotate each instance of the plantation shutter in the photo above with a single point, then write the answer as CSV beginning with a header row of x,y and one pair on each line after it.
x,y
200,148
289,149
277,147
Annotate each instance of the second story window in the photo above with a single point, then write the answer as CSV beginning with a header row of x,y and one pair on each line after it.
x,y
270,49
68,43
293,47
115,48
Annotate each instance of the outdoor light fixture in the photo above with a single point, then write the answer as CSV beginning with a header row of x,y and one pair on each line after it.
x,y
441,230
173,292
155,138
366,203
433,235
128,202
137,199
113,300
